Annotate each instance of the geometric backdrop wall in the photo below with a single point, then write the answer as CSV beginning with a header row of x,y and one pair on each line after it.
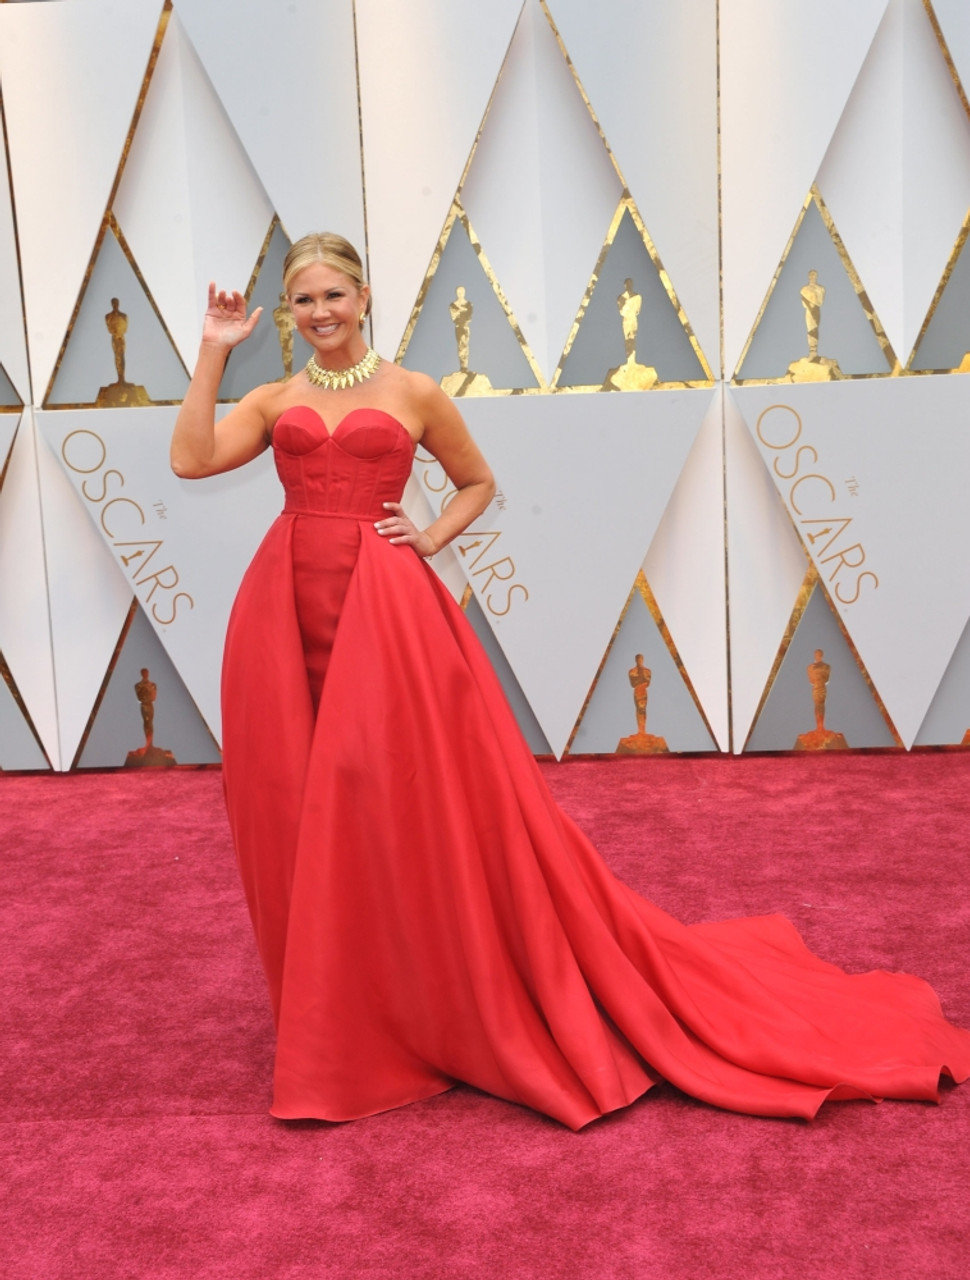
x,y
694,274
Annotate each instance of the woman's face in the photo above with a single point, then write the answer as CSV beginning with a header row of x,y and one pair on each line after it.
x,y
326,306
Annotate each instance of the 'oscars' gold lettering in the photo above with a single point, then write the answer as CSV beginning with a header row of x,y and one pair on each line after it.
x,y
828,531
76,466
778,408
156,579
493,573
85,453
812,475
858,587
129,502
842,560
779,428
100,497
500,613
790,475
179,595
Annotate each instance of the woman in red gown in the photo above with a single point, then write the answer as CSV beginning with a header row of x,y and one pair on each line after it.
x,y
424,912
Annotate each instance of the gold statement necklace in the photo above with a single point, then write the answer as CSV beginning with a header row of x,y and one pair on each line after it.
x,y
338,379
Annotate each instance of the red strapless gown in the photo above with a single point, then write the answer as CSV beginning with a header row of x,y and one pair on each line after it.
x,y
426,914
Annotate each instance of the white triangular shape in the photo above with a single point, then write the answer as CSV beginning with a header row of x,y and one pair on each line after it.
x,y
654,93
541,189
304,118
427,70
186,168
25,638
686,571
784,85
903,135
766,567
83,62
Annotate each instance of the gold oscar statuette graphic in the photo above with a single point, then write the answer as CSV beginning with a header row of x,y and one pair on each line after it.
x,y
813,367
463,382
630,376
640,743
149,756
119,394
285,325
820,738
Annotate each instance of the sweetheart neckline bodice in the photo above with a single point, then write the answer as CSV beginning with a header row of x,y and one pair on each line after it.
x,y
327,433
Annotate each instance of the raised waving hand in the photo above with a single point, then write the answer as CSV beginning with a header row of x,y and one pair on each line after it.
x,y
225,323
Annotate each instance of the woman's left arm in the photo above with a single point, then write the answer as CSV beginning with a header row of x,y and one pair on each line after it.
x,y
446,437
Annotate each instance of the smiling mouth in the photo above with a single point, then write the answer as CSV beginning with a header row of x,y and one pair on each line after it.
x,y
324,329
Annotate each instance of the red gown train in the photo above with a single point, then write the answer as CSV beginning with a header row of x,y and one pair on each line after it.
x,y
426,914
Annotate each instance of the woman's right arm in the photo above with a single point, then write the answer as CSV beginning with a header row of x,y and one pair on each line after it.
x,y
200,445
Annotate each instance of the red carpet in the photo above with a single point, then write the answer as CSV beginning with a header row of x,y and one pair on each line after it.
x,y
137,1050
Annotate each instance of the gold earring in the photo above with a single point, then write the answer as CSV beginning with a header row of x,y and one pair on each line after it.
x,y
362,318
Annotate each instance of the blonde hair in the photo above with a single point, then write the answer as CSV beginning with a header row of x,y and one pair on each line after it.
x,y
332,250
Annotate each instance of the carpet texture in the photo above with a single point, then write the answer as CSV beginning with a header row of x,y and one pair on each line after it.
x,y
137,1053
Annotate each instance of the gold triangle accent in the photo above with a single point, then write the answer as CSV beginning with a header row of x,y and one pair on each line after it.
x,y
7,677
582,93
457,214
815,197
628,205
642,589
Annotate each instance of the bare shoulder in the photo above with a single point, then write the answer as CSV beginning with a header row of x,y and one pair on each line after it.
x,y
263,404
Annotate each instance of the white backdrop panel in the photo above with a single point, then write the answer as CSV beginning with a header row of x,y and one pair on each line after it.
x,y
650,70
181,546
286,75
892,456
766,567
896,177
71,75
427,70
541,190
88,600
189,204
25,638
685,570
584,481
785,76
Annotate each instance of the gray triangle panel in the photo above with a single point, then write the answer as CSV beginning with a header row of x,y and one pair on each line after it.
x,y
850,708
117,353
662,342
180,735
19,748
611,714
493,347
845,333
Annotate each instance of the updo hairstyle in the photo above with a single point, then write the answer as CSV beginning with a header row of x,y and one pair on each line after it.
x,y
332,250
